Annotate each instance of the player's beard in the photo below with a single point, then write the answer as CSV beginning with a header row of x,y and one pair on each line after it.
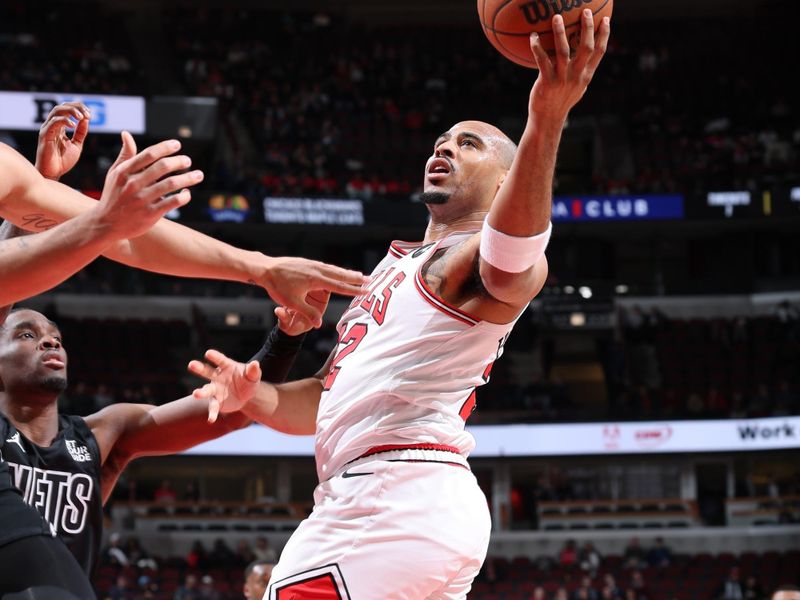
x,y
434,197
54,384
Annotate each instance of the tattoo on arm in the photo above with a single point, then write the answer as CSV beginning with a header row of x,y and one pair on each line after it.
x,y
39,222
433,272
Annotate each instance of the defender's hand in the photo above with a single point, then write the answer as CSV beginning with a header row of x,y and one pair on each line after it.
x,y
135,195
563,81
231,384
293,323
56,152
296,284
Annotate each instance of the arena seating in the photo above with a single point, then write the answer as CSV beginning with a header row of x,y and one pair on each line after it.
x,y
613,514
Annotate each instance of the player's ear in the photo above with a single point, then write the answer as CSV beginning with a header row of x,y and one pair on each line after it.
x,y
500,181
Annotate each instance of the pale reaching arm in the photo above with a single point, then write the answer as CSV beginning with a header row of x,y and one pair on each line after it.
x,y
132,201
172,249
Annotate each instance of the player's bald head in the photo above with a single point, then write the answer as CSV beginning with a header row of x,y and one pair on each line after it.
x,y
494,137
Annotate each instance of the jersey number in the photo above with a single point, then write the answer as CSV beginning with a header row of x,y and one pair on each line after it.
x,y
351,339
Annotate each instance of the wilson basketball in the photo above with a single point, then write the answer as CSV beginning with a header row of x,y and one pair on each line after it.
x,y
509,23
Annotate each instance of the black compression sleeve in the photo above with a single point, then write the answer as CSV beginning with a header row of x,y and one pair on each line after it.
x,y
278,354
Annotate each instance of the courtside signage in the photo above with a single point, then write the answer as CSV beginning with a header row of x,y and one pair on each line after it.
x,y
110,114
655,437
617,208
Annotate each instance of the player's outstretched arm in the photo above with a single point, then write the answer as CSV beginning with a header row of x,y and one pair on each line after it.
x,y
172,249
522,206
127,431
289,407
132,202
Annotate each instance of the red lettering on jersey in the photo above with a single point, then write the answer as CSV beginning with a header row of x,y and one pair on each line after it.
x,y
351,339
379,311
370,289
468,407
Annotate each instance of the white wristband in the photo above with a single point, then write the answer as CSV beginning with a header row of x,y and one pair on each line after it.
x,y
511,253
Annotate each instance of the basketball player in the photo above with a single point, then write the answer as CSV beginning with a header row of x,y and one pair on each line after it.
x,y
67,466
398,515
256,579
34,204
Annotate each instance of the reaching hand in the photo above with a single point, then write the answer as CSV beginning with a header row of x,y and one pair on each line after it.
x,y
137,187
561,83
293,323
56,152
297,284
231,384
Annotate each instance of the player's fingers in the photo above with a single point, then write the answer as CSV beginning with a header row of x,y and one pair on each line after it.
x,y
311,313
53,127
73,109
173,184
201,369
600,46
344,275
81,132
149,155
283,316
170,203
337,286
158,169
252,371
561,46
586,45
128,149
216,358
214,406
541,57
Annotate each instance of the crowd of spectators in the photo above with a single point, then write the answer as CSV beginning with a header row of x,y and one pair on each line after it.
x,y
577,572
315,104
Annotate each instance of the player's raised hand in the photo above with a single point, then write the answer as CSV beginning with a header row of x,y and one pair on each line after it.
x,y
141,188
293,323
295,283
230,386
563,80
57,152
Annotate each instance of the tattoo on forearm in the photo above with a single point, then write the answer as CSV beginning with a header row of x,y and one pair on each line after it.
x,y
39,222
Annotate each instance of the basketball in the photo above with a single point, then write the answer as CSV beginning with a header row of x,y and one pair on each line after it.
x,y
508,24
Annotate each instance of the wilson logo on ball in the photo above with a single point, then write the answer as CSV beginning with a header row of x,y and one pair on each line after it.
x,y
542,10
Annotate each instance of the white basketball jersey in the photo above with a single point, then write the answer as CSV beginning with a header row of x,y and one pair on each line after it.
x,y
406,366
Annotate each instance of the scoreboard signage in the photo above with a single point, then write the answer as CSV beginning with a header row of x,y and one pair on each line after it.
x,y
617,208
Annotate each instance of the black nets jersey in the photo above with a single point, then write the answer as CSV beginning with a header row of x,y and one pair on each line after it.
x,y
61,481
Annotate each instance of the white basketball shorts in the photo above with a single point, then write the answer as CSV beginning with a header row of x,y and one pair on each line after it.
x,y
396,525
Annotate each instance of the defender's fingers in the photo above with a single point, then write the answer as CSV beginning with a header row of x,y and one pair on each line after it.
x,y
216,358
158,169
214,406
81,131
201,369
252,371
172,202
148,156
56,125
128,149
173,184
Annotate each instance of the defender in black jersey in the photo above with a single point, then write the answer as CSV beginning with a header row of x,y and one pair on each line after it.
x,y
66,467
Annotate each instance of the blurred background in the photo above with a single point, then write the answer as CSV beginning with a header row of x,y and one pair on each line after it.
x,y
649,400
